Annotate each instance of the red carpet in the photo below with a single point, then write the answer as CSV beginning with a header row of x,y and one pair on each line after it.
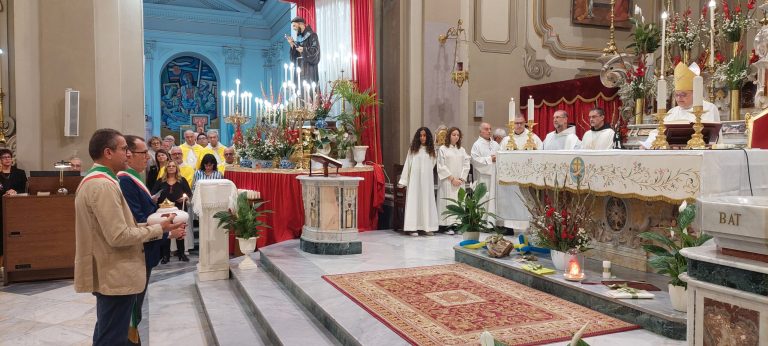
x,y
452,304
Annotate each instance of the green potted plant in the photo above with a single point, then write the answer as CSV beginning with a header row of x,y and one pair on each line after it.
x,y
357,120
666,258
244,222
470,213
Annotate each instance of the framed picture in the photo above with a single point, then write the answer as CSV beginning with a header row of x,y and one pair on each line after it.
x,y
200,122
598,13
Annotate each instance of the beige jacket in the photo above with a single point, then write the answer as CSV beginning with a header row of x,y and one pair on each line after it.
x,y
109,256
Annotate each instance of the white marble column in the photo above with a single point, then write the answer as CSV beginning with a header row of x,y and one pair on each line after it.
x,y
232,70
212,196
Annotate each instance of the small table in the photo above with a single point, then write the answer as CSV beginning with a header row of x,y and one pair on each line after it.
x,y
330,215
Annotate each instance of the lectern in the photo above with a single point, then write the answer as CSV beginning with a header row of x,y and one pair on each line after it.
x,y
325,161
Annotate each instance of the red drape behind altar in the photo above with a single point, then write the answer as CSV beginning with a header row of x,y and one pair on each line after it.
x,y
283,193
576,96
364,45
306,10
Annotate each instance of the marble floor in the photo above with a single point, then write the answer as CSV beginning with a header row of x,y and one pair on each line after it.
x,y
51,313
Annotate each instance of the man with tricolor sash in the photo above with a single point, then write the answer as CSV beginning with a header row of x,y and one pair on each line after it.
x,y
108,243
142,205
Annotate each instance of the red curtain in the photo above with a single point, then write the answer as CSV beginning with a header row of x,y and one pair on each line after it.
x,y
306,10
364,46
576,96
283,193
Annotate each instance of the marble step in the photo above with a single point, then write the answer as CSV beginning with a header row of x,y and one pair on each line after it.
x,y
284,320
229,316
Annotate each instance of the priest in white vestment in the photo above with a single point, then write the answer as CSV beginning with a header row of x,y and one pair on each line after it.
x,y
563,137
681,114
600,135
452,172
420,207
520,136
484,164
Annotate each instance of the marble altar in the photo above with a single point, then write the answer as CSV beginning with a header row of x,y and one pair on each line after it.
x,y
212,196
330,215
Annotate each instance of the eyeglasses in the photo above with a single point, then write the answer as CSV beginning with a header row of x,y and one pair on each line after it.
x,y
6,157
140,152
229,154
176,154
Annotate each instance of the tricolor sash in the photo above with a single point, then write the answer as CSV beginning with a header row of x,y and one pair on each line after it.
x,y
99,172
131,173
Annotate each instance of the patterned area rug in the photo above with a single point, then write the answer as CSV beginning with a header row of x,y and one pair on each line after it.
x,y
452,304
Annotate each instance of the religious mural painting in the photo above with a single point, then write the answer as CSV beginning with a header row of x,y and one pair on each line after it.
x,y
189,87
598,13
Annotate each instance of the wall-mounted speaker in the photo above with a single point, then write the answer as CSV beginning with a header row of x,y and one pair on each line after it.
x,y
71,113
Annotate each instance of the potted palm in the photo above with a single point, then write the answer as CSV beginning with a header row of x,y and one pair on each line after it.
x,y
244,222
666,258
470,213
357,120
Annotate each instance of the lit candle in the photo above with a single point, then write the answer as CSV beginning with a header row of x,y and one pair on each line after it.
x,y
530,108
698,91
285,72
606,269
223,103
512,109
314,92
290,68
712,6
183,201
231,102
298,78
1,69
237,86
661,94
664,16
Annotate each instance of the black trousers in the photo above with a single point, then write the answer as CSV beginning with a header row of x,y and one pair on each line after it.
x,y
166,248
113,315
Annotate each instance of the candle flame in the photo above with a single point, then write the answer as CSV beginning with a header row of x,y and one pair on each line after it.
x,y
664,15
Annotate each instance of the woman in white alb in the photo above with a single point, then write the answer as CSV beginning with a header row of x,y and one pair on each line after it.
x,y
420,208
452,171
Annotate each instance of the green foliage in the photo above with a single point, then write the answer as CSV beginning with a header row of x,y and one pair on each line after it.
x,y
244,221
666,259
470,211
357,120
646,37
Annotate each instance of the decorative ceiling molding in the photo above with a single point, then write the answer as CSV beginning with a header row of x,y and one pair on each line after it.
x,y
551,40
195,39
233,55
170,12
493,46
535,68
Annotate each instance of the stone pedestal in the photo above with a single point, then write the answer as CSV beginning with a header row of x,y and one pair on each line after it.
x,y
727,298
330,215
212,196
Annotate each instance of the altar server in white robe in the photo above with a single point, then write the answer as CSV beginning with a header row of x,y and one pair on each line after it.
x,y
452,172
484,164
681,114
563,137
520,135
420,208
600,135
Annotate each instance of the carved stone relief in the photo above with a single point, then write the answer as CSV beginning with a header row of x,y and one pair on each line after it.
x,y
535,68
233,55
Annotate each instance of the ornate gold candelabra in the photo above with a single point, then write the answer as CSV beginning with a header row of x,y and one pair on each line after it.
x,y
237,119
611,48
511,145
697,139
530,144
661,138
297,116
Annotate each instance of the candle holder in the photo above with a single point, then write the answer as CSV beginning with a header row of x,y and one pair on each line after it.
x,y
237,119
574,271
611,48
530,144
697,139
661,138
511,145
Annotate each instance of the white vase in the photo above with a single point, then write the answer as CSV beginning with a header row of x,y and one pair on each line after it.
x,y
247,247
558,259
679,297
471,235
345,163
359,153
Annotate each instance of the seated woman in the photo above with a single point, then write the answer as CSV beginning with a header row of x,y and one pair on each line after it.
x,y
207,170
12,181
174,187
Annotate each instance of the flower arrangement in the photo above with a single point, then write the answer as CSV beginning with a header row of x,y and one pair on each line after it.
x,y
355,121
734,23
733,73
561,220
669,260
646,37
684,32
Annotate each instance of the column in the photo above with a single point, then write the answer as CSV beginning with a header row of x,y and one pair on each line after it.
x,y
232,70
151,95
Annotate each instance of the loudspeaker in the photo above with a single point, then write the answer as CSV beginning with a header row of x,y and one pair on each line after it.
x,y
71,113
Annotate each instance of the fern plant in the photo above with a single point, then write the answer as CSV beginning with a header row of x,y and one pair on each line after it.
x,y
667,259
470,211
244,220
357,120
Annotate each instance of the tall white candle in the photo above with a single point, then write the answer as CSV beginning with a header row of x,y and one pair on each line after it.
x,y
698,91
661,94
664,16
712,5
512,110
237,86
285,72
314,92
223,103
290,68
298,78
231,102
530,106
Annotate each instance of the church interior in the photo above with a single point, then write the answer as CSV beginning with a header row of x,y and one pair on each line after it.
x,y
384,172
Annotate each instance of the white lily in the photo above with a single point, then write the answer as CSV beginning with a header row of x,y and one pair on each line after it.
x,y
486,339
577,336
638,11
682,206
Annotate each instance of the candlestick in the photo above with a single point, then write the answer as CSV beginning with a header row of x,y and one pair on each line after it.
x,y
290,68
661,131
606,269
697,139
237,86
664,16
661,93
511,111
529,144
698,91
285,72
530,109
223,103
712,5
298,78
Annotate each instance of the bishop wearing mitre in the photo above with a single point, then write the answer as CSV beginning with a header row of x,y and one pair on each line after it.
x,y
682,113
